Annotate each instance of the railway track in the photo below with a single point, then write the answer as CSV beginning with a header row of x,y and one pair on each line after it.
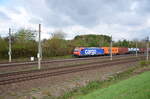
x,y
7,68
18,64
35,74
55,68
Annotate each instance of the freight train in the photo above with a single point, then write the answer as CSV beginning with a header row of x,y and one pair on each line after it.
x,y
99,51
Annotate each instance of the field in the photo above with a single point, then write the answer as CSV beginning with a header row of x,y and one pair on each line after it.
x,y
137,87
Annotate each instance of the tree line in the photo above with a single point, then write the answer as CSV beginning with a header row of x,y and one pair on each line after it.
x,y
24,44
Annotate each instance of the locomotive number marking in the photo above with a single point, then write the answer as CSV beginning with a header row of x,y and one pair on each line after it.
x,y
90,52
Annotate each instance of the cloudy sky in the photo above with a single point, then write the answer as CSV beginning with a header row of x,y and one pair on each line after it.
x,y
124,19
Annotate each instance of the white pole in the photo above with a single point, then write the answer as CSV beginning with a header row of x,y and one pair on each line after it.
x,y
147,54
136,49
111,48
39,48
9,53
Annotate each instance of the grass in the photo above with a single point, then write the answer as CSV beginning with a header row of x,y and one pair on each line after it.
x,y
133,88
96,85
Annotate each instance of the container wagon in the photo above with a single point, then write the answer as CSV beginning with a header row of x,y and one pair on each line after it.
x,y
133,50
107,50
142,50
122,50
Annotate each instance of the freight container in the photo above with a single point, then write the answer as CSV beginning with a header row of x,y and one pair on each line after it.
x,y
122,50
133,50
107,50
142,50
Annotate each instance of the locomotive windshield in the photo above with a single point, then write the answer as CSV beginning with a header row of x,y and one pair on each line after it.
x,y
76,50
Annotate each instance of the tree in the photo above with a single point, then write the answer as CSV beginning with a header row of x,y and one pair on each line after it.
x,y
25,35
55,46
3,48
24,44
59,34
92,40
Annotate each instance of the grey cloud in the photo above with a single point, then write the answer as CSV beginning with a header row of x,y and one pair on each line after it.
x,y
35,20
129,19
143,7
92,12
54,20
144,32
89,12
49,17
3,16
140,34
14,10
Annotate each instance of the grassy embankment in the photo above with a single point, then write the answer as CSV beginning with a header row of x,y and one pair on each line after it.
x,y
116,87
133,88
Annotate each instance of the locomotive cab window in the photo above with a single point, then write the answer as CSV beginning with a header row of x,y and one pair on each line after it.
x,y
76,50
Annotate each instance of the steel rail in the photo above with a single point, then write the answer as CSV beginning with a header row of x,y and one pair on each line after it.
x,y
65,71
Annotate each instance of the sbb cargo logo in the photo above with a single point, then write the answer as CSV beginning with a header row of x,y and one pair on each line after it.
x,y
90,52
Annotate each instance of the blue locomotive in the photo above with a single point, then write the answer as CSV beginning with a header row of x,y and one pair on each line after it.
x,y
90,51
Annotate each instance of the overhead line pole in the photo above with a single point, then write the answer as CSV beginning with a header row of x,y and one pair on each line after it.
x,y
111,48
136,49
39,48
9,53
147,51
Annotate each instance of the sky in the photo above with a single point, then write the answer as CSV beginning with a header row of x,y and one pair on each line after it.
x,y
123,19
